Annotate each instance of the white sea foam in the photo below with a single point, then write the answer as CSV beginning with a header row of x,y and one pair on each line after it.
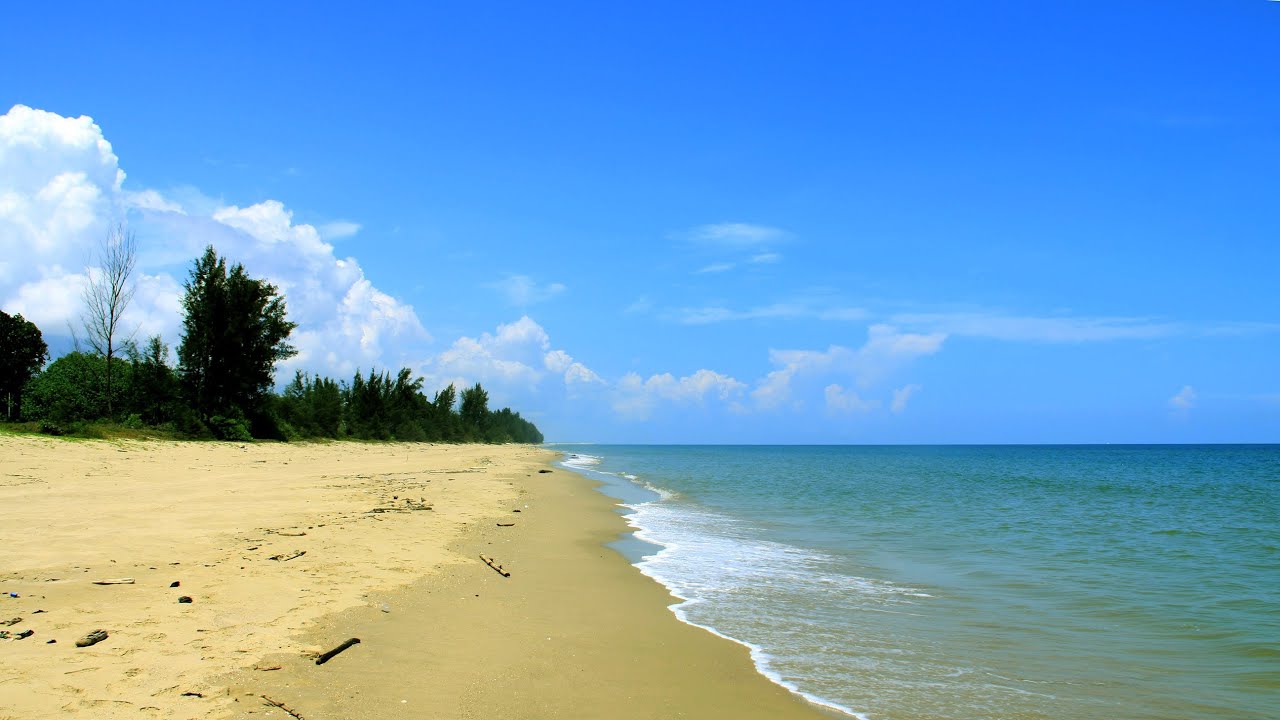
x,y
742,588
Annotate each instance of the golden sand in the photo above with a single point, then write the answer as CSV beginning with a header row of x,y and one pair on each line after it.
x,y
391,538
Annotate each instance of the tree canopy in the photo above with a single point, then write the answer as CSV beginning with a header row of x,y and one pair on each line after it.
x,y
22,354
233,334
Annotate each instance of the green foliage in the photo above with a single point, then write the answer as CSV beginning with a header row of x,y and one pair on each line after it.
x,y
154,391
22,354
71,389
234,332
230,428
475,411
380,407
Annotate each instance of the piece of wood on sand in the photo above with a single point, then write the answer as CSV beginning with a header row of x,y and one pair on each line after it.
x,y
494,564
287,558
114,581
282,706
326,657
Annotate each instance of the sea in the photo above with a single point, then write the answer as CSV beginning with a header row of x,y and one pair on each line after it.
x,y
972,582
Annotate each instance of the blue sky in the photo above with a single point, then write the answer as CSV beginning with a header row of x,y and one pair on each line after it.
x,y
845,222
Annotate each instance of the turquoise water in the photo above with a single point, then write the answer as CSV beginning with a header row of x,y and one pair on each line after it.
x,y
974,582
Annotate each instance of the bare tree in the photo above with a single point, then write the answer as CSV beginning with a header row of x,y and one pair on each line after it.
x,y
108,293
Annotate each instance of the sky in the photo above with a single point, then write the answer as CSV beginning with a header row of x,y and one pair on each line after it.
x,y
926,222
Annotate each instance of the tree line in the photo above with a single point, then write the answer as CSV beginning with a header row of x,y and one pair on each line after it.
x,y
234,333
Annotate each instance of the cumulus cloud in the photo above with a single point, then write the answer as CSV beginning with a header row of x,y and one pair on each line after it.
x,y
522,290
636,396
516,358
885,350
559,361
61,188
1184,400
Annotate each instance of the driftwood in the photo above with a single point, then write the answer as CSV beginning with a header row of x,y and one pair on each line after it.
x,y
114,581
288,534
506,524
14,621
267,668
329,655
282,706
286,558
496,567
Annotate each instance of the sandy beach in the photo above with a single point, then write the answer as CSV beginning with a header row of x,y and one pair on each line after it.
x,y
287,551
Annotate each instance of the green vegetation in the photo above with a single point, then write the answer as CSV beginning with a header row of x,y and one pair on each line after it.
x,y
234,332
22,354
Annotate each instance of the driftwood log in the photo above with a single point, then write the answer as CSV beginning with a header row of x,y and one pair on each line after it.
x,y
329,655
114,581
494,564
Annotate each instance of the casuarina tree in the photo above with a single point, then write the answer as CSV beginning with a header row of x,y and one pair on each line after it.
x,y
233,333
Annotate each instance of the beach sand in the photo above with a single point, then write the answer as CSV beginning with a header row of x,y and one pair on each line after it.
x,y
392,536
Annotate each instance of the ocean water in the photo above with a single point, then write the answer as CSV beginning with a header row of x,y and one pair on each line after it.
x,y
967,583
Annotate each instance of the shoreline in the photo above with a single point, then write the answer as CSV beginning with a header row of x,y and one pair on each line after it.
x,y
575,631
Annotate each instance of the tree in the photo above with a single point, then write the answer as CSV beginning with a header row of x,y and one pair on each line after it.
x,y
234,333
70,390
22,354
154,393
107,296
475,409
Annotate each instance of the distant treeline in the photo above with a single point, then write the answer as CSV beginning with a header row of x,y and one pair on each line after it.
x,y
234,333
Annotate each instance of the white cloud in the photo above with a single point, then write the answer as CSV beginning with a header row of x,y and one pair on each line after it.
x,y
151,200
636,397
885,350
1184,400
901,396
736,235
800,309
1039,329
522,290
514,359
338,229
840,400
61,189
59,192
765,258
559,361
